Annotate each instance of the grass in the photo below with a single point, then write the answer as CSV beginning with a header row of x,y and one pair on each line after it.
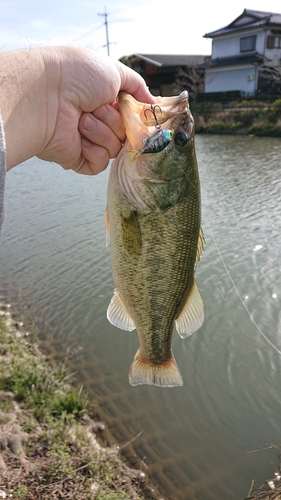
x,y
47,446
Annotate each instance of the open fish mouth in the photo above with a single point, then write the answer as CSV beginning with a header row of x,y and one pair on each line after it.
x,y
143,121
169,108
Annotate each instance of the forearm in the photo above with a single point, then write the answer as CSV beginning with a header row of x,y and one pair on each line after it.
x,y
24,104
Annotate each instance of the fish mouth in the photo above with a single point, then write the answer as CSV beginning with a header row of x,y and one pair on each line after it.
x,y
163,109
141,119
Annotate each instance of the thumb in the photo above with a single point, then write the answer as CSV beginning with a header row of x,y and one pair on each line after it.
x,y
134,84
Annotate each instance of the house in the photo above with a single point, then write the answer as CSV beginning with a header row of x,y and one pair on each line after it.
x,y
161,71
241,51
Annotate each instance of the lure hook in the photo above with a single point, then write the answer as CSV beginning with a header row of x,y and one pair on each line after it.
x,y
152,110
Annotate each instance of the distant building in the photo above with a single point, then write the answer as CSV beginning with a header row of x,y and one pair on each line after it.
x,y
241,51
161,71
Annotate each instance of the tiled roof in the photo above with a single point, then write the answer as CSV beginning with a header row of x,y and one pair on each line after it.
x,y
258,18
234,60
172,60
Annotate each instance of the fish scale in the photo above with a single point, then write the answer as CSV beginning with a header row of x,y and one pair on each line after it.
x,y
153,215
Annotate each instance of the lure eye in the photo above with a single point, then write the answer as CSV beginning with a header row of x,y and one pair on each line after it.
x,y
181,139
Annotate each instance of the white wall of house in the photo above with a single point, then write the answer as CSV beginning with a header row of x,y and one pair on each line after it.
x,y
231,78
228,46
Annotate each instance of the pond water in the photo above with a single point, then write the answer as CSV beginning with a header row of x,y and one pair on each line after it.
x,y
197,441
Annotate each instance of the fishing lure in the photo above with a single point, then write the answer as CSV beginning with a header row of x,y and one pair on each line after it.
x,y
154,144
152,110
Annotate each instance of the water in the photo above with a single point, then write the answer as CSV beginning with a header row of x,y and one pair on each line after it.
x,y
196,441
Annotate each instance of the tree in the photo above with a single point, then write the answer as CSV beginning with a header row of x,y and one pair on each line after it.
x,y
191,79
270,79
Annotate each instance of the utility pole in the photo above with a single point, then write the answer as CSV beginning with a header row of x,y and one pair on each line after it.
x,y
105,14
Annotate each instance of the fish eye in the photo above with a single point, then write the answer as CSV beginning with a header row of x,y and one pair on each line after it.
x,y
181,139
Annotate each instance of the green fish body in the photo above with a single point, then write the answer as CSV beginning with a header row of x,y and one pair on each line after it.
x,y
154,225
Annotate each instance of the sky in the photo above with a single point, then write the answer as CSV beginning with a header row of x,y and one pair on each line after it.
x,y
134,26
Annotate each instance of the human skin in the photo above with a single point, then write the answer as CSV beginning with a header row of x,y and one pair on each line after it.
x,y
59,103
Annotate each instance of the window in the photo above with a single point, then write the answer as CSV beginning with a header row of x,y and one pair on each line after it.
x,y
248,43
273,42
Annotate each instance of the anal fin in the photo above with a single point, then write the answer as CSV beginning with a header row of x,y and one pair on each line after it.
x,y
164,374
117,314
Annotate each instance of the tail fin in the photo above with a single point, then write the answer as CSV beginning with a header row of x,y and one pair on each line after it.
x,y
164,374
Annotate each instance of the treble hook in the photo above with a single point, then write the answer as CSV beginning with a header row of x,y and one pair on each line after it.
x,y
152,110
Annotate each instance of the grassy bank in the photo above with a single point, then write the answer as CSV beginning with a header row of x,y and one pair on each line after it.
x,y
48,444
244,117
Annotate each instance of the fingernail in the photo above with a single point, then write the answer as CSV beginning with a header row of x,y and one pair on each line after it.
x,y
89,123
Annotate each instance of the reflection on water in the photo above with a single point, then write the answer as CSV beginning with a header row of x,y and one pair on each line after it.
x,y
196,439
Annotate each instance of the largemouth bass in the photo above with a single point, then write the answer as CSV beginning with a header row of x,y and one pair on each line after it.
x,y
154,225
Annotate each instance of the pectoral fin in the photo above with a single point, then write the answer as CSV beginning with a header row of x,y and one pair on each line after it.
x,y
131,233
192,314
117,314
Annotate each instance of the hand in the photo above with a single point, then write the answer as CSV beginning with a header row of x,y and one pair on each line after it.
x,y
50,96
103,133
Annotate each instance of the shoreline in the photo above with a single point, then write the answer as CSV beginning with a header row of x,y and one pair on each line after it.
x,y
48,436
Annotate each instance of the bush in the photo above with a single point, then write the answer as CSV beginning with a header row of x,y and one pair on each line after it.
x,y
71,403
264,128
221,127
247,116
275,111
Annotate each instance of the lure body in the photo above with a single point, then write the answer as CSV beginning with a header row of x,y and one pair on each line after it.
x,y
154,144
